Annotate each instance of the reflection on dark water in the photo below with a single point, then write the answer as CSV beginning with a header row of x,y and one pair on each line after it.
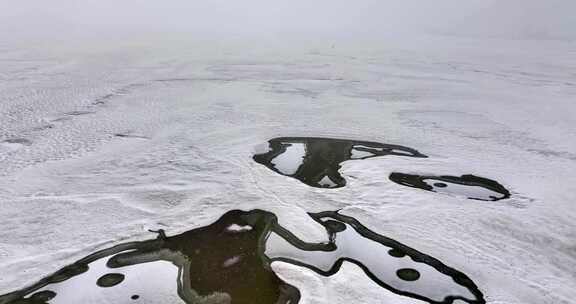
x,y
316,161
470,186
230,260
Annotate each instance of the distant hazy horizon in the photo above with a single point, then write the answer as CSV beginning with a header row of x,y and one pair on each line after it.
x,y
518,19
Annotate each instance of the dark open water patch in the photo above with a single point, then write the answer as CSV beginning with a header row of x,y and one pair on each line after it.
x,y
315,161
470,186
129,135
229,261
110,279
408,274
19,141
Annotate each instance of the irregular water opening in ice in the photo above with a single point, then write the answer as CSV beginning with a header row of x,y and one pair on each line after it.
x,y
389,263
470,186
316,161
229,261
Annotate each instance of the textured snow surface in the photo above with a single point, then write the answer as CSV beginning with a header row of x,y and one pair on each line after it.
x,y
101,141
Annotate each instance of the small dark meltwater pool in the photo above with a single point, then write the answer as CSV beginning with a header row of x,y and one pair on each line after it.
x,y
470,186
229,261
315,161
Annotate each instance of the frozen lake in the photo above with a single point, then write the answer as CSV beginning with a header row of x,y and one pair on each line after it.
x,y
101,141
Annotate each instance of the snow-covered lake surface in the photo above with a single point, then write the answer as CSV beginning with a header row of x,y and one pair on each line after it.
x,y
102,140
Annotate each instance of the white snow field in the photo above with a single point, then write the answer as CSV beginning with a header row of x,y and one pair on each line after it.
x,y
101,140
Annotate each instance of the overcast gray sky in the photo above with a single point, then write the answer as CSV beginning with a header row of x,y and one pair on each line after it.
x,y
254,17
